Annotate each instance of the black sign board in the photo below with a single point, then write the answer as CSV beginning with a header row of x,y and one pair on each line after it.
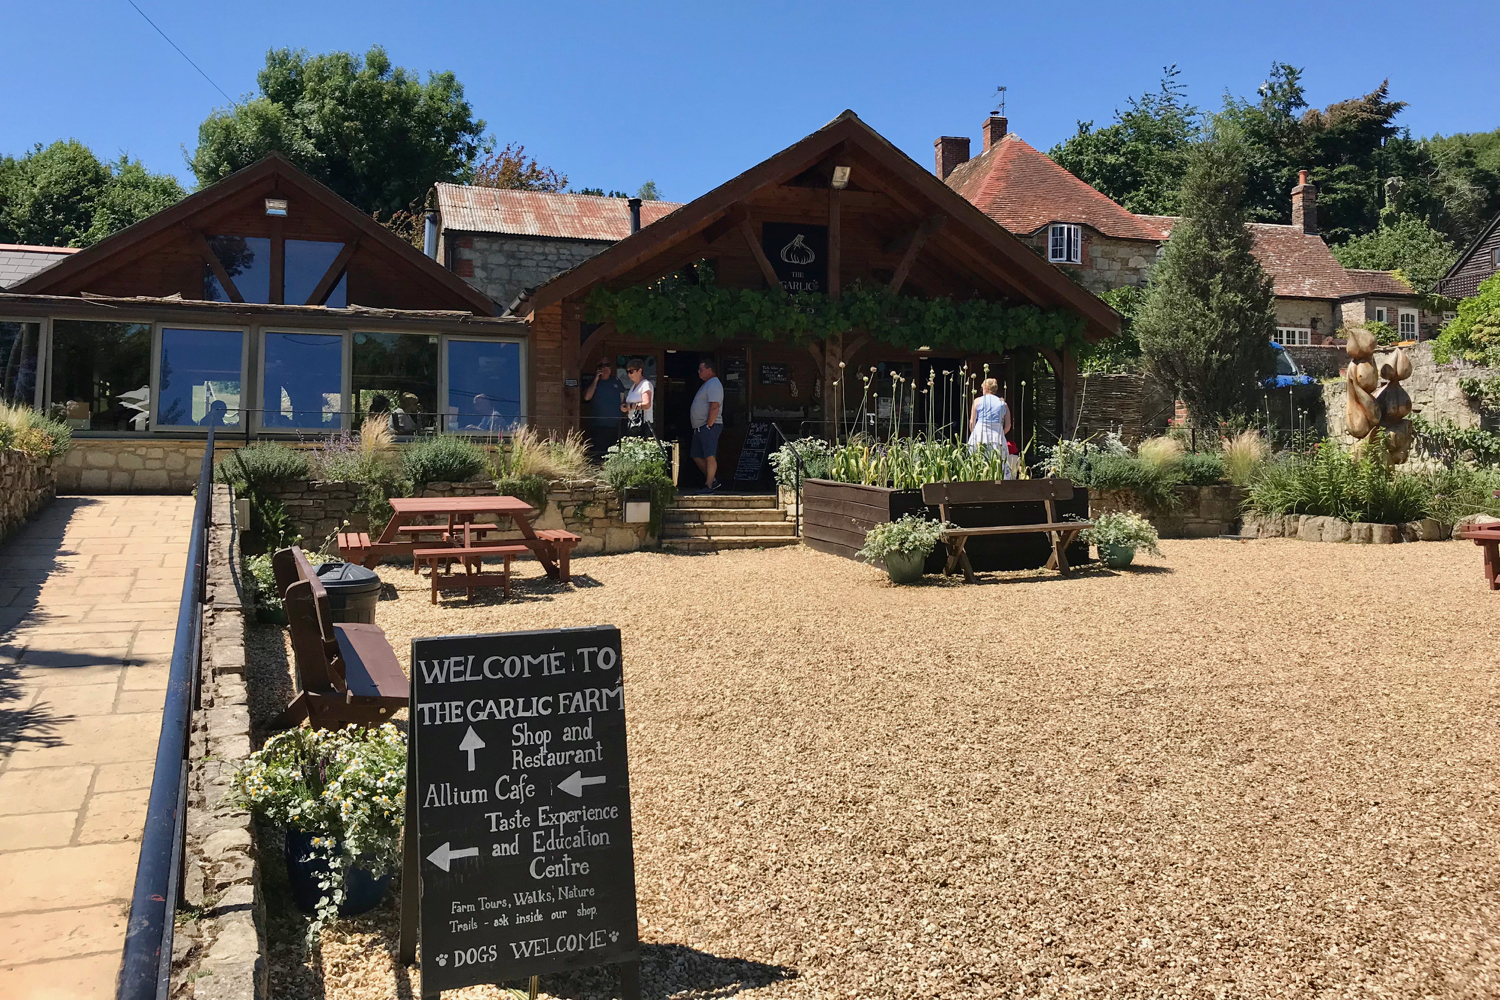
x,y
774,374
753,454
522,802
798,254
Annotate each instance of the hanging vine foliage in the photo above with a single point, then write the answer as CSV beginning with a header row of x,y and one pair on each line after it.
x,y
690,308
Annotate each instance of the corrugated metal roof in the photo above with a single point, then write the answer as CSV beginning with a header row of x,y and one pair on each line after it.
x,y
541,213
18,261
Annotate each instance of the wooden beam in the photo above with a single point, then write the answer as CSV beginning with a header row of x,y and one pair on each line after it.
x,y
212,260
835,243
728,221
766,270
929,225
331,276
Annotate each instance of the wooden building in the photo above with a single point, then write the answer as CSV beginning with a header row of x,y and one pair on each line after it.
x,y
1474,266
839,209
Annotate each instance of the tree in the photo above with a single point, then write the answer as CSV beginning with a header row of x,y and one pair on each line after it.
x,y
1141,158
371,131
509,168
1411,246
648,192
62,195
1206,324
1474,334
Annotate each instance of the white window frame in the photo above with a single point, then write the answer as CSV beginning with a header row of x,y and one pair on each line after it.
x,y
1416,327
346,411
1071,238
525,365
43,355
246,382
1380,314
1495,257
1293,336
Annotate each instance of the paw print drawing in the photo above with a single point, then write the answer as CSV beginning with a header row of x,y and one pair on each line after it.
x,y
442,960
614,936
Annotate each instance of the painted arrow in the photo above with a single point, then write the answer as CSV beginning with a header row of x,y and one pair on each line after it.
x,y
445,854
573,783
471,743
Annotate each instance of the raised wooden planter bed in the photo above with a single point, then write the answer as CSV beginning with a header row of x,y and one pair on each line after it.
x,y
836,517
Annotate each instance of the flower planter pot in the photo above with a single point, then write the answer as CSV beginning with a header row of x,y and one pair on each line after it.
x,y
1116,556
905,567
270,616
362,890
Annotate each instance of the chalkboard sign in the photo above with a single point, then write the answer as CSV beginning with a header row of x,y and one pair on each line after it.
x,y
774,374
753,454
522,797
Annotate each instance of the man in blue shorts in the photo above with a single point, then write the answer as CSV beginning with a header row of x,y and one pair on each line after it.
x,y
708,423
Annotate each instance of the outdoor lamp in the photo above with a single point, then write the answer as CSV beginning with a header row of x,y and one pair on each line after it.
x,y
276,206
841,177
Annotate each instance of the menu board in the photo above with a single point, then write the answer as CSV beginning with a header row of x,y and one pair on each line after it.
x,y
522,797
753,454
773,374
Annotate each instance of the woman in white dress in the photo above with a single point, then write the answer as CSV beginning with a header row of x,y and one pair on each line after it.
x,y
989,422
637,405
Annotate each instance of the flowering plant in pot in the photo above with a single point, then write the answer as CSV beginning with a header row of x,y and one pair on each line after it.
x,y
1118,535
340,795
902,546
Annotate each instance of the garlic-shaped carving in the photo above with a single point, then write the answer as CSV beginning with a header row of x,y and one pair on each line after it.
x,y
1360,343
1362,412
1395,403
1364,373
1398,441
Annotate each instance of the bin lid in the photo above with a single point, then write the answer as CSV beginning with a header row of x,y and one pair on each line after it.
x,y
347,576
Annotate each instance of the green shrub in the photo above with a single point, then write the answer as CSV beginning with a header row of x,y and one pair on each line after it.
x,y
637,463
1335,482
1201,469
532,489
1125,529
260,466
816,455
1474,334
443,458
1451,444
910,533
1460,490
1151,484
34,433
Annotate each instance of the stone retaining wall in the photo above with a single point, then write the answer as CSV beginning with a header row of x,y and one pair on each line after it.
x,y
26,486
585,507
1434,391
1202,511
1308,528
134,465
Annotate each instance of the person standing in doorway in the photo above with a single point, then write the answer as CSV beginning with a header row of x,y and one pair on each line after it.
x,y
637,405
604,396
707,415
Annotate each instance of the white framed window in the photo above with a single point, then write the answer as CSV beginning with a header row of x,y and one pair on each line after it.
x,y
1495,257
1293,336
1408,327
1065,244
1380,314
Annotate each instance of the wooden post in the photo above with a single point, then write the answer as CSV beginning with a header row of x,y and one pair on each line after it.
x,y
833,354
278,261
835,244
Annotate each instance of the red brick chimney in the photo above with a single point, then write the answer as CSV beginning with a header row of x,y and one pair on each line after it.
x,y
994,130
1305,204
949,151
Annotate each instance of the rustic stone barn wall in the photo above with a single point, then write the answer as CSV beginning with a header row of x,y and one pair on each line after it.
x,y
26,486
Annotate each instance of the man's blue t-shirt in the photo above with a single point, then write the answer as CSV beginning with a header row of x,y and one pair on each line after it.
x,y
608,395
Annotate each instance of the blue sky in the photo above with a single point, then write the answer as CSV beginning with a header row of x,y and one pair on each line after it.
x,y
690,94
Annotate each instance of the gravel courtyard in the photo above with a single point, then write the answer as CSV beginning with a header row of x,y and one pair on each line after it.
x,y
1244,770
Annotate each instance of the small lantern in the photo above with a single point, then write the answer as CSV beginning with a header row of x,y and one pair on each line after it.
x,y
637,500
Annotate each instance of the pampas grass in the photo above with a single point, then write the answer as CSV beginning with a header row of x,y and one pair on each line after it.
x,y
1244,455
1161,453
375,434
527,453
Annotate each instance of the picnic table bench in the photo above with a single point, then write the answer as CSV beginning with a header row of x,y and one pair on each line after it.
x,y
346,672
1049,491
1487,537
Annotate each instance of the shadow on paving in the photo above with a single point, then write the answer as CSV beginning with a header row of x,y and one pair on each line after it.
x,y
669,970
28,570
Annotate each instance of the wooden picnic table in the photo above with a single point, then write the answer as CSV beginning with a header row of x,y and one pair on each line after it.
x,y
1487,537
458,530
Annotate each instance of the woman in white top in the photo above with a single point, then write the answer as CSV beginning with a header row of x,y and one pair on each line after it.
x,y
989,421
637,405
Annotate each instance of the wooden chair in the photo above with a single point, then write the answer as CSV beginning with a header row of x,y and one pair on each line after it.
x,y
347,672
1049,491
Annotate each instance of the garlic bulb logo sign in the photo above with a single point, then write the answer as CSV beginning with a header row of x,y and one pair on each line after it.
x,y
797,252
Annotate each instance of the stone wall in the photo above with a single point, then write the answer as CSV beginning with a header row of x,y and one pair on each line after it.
x,y
1317,315
1310,528
134,464
1320,360
1107,262
1202,511
1434,390
26,486
587,508
503,266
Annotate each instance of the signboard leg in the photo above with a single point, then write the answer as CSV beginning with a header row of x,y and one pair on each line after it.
x,y
630,981
532,987
410,901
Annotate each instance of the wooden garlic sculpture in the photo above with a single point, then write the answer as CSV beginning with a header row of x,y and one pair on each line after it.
x,y
1388,406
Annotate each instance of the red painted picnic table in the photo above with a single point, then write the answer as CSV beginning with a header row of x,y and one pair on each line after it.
x,y
457,529
1487,537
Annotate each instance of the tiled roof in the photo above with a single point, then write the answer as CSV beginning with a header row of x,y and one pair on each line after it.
x,y
1024,190
1364,282
18,261
540,213
1300,264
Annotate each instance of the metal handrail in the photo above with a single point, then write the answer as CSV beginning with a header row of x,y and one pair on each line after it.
x,y
797,488
146,965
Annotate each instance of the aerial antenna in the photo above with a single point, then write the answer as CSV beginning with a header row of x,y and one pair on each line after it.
x,y
1000,93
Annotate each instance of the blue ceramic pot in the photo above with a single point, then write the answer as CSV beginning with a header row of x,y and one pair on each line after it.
x,y
362,891
1116,556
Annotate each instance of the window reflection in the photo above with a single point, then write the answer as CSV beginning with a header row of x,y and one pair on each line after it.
x,y
200,377
101,375
303,381
18,355
306,263
247,261
484,386
401,371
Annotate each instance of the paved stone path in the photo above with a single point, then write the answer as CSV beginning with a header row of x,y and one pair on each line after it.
x,y
88,606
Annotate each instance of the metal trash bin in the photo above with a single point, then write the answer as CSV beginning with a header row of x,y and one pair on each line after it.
x,y
353,591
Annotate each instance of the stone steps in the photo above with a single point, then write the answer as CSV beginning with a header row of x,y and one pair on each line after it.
x,y
726,529
720,515
669,544
732,501
705,523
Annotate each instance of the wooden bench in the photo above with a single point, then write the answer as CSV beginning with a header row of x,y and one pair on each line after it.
x,y
560,548
472,560
347,672
1049,491
1487,537
354,547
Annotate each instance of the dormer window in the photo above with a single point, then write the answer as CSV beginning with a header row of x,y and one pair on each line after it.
x,y
1065,244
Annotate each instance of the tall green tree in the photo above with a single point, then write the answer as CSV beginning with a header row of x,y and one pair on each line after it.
x,y
374,132
1139,159
63,195
1409,245
1206,324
